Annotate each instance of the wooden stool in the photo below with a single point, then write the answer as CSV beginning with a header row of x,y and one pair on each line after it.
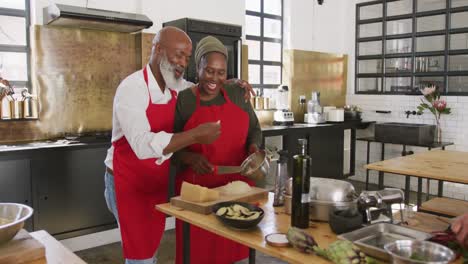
x,y
445,206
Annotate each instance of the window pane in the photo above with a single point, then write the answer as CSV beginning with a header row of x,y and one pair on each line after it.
x,y
271,74
458,3
271,51
272,28
13,30
252,25
403,26
272,7
15,4
400,7
458,63
254,49
428,5
370,48
398,85
370,66
252,5
459,20
429,64
13,66
398,65
254,74
398,46
421,82
459,41
432,43
431,23
370,30
458,84
369,85
370,11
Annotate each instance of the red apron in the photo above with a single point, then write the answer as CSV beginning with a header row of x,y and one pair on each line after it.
x,y
230,150
141,184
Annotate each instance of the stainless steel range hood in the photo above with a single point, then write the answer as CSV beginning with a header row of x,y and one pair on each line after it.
x,y
89,18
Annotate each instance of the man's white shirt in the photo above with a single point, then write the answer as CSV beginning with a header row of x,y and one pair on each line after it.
x,y
129,117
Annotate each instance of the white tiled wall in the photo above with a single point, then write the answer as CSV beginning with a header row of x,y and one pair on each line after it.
x,y
454,129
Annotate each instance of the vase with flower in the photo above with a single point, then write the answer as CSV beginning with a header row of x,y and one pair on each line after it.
x,y
435,105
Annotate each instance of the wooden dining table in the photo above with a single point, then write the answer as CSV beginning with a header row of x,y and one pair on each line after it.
x,y
441,165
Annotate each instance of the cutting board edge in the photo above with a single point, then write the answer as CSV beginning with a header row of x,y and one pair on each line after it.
x,y
205,208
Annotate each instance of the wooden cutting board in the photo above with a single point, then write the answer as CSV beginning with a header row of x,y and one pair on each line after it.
x,y
426,222
23,248
255,194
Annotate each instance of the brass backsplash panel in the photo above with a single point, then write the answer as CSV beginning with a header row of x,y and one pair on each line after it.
x,y
307,71
75,73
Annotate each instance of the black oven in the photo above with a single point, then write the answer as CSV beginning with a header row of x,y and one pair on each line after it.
x,y
228,34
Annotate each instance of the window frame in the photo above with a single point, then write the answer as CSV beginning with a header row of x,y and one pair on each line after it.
x,y
26,13
261,62
413,54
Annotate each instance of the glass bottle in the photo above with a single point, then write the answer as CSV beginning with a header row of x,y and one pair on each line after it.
x,y
281,178
301,186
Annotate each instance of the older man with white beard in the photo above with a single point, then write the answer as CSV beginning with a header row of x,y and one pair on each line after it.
x,y
137,172
137,164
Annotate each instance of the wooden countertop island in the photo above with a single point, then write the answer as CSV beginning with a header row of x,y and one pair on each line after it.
x,y
274,221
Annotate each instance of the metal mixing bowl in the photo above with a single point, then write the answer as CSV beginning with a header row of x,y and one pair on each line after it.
x,y
418,252
256,166
12,218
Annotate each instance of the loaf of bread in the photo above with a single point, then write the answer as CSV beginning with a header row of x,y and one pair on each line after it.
x,y
196,193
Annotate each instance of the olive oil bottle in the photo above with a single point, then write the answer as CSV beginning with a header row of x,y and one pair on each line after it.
x,y
301,185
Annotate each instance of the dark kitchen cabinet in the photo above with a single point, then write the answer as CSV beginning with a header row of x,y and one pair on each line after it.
x,y
68,186
15,183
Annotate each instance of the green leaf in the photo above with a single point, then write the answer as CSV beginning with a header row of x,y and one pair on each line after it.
x,y
425,105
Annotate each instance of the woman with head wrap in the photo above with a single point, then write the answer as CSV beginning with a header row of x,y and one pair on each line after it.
x,y
212,100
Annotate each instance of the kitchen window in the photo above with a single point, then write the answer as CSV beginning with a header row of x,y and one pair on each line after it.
x,y
264,34
14,42
404,45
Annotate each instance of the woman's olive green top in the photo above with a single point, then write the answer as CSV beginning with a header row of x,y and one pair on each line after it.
x,y
186,104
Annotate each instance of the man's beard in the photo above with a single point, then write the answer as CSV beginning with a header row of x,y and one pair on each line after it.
x,y
168,73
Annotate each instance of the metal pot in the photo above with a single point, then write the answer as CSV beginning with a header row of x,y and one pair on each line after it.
x,y
6,110
325,196
29,106
324,189
16,108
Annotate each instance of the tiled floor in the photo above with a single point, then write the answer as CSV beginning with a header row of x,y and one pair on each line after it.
x,y
112,253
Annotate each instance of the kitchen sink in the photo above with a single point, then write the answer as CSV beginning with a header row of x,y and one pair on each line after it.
x,y
405,133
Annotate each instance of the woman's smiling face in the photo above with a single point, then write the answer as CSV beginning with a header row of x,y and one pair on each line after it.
x,y
212,73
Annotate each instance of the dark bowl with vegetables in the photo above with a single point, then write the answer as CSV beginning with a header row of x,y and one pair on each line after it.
x,y
238,215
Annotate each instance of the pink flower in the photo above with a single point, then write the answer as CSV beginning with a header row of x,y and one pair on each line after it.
x,y
428,90
440,105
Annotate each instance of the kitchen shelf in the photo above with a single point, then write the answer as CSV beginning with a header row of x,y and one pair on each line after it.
x,y
432,44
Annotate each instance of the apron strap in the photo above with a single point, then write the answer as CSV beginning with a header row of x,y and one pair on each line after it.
x,y
145,76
